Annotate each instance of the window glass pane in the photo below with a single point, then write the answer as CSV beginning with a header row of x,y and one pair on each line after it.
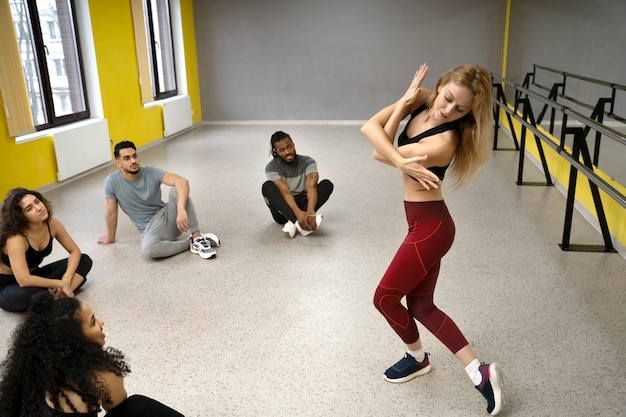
x,y
47,41
61,47
162,58
165,55
25,40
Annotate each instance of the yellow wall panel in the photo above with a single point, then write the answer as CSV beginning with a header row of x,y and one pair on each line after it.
x,y
119,76
191,58
33,164
30,165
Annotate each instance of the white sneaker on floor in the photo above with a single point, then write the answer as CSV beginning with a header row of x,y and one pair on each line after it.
x,y
318,221
302,231
202,246
289,229
213,239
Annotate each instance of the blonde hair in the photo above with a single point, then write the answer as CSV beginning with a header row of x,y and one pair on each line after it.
x,y
476,127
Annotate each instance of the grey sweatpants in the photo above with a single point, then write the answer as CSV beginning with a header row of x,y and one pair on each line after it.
x,y
160,237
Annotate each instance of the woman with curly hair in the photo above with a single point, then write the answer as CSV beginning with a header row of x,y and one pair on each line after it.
x,y
57,366
448,127
27,230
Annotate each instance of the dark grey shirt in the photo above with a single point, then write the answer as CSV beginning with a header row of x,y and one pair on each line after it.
x,y
294,174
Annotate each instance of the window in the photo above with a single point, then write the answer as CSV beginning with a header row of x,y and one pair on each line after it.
x,y
58,65
65,102
160,48
48,45
52,29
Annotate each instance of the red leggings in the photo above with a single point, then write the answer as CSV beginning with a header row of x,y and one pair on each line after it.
x,y
413,274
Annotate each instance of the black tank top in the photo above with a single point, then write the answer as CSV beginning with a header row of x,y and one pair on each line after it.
x,y
403,139
47,411
33,256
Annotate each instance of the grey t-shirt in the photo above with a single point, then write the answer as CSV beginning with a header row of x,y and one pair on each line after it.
x,y
294,174
139,199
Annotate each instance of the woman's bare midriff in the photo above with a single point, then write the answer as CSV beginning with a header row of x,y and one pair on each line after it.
x,y
414,191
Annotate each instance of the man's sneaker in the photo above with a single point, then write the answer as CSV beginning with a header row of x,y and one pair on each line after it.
x,y
213,239
407,368
289,229
492,387
302,231
318,221
202,246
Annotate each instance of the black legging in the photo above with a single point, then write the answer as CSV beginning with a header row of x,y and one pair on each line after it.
x,y
141,406
281,212
16,298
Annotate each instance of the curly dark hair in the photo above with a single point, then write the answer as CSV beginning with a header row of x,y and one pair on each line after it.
x,y
12,219
50,354
277,137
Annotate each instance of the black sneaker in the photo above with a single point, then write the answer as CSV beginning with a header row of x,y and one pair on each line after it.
x,y
407,368
492,387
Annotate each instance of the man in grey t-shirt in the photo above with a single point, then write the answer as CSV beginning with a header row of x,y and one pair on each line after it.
x,y
137,190
292,191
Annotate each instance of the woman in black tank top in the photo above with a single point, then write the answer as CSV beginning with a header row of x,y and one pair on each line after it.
x,y
27,230
449,125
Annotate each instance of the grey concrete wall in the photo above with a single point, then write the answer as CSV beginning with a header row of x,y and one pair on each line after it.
x,y
333,59
584,37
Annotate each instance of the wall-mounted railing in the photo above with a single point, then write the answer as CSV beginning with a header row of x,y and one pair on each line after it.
x,y
575,125
603,108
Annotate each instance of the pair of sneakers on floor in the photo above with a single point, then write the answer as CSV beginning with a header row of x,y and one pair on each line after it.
x,y
491,385
204,245
290,228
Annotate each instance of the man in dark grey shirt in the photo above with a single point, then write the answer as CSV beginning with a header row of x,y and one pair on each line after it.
x,y
292,191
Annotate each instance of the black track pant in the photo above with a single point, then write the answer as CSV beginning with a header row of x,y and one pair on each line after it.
x,y
281,212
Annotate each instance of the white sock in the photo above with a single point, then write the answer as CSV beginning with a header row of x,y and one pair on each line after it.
x,y
419,355
473,372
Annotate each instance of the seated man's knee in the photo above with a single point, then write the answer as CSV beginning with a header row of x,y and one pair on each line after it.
x,y
324,190
149,249
173,195
267,187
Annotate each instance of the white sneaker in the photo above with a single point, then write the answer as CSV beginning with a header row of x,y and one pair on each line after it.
x,y
213,239
318,221
302,231
289,229
202,246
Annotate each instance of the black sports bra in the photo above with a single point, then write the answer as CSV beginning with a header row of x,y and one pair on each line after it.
x,y
403,139
33,256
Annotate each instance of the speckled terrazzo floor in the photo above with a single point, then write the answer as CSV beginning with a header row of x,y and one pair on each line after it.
x,y
279,327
